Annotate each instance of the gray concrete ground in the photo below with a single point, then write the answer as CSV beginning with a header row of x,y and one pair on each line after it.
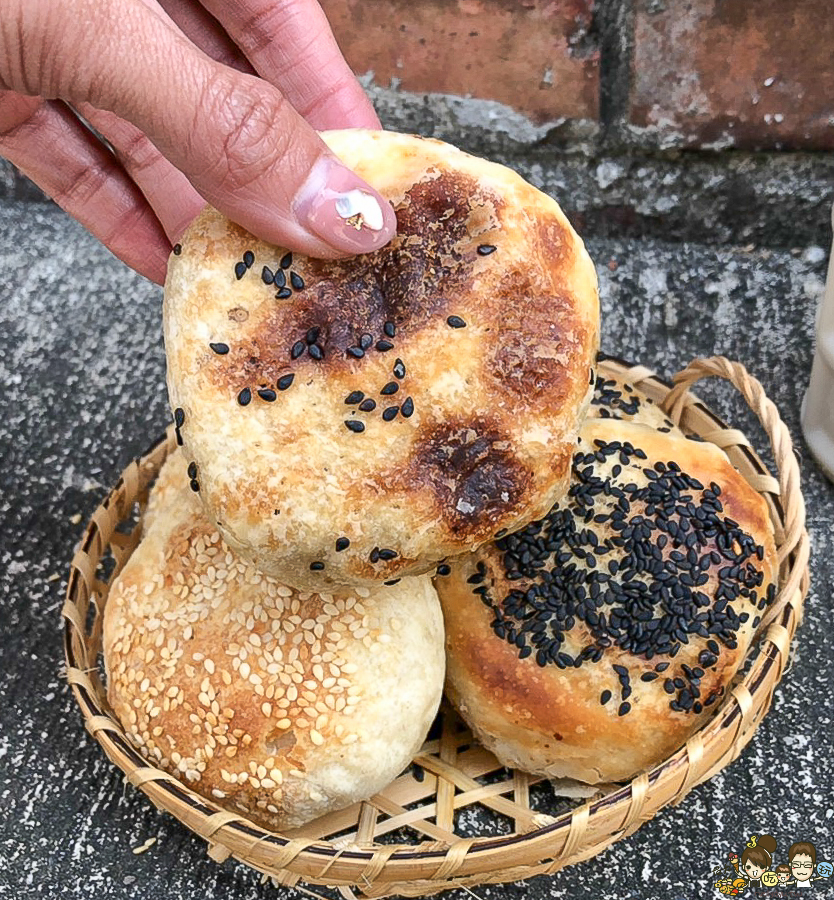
x,y
82,376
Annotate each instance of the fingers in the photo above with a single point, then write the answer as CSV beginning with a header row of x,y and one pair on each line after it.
x,y
236,138
290,44
46,141
167,190
203,30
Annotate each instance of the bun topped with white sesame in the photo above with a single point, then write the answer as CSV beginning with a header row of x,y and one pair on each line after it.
x,y
273,703
354,421
592,643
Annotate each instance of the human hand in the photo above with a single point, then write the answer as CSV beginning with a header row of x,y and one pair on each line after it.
x,y
195,109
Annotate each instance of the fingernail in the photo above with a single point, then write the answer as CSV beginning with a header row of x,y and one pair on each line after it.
x,y
342,210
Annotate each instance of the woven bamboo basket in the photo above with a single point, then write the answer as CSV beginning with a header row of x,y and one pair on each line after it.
x,y
404,840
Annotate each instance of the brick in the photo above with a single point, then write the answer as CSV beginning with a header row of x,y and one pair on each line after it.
x,y
754,74
536,56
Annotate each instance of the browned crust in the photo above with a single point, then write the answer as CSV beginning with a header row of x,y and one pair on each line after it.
x,y
550,720
523,358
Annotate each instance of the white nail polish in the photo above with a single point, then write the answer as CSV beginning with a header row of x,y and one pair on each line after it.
x,y
359,208
339,207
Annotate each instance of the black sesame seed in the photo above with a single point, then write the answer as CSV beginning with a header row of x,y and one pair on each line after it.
x,y
286,261
604,697
194,485
391,388
297,349
386,554
240,270
248,259
316,352
390,413
284,294
373,556
285,381
366,340
486,249
296,281
389,329
279,279
354,397
177,249
624,708
244,397
384,345
407,408
342,543
455,322
192,470
312,334
179,437
399,369
179,417
368,405
444,570
357,352
267,394
354,425
393,581
220,349
267,275
316,566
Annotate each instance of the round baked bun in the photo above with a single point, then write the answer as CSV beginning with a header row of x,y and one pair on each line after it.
x,y
358,420
591,644
614,398
273,703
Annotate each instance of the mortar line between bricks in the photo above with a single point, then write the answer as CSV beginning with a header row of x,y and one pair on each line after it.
x,y
613,20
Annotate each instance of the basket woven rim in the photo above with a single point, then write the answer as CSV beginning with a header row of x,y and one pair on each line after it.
x,y
768,652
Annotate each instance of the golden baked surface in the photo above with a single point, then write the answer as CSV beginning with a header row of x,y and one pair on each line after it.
x,y
459,355
591,644
278,704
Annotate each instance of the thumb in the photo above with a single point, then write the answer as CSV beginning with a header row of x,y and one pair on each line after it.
x,y
234,136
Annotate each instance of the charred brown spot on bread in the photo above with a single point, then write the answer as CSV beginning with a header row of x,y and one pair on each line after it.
x,y
537,346
472,473
413,278
433,259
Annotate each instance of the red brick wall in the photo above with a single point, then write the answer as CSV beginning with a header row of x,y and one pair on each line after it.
x,y
518,53
716,73
742,73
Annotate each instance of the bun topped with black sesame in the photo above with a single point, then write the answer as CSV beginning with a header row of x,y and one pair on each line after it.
x,y
593,642
354,421
617,399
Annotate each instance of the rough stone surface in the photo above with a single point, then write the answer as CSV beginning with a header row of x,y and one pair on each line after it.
x,y
538,57
82,392
731,73
14,186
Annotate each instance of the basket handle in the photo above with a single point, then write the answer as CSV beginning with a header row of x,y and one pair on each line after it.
x,y
790,495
